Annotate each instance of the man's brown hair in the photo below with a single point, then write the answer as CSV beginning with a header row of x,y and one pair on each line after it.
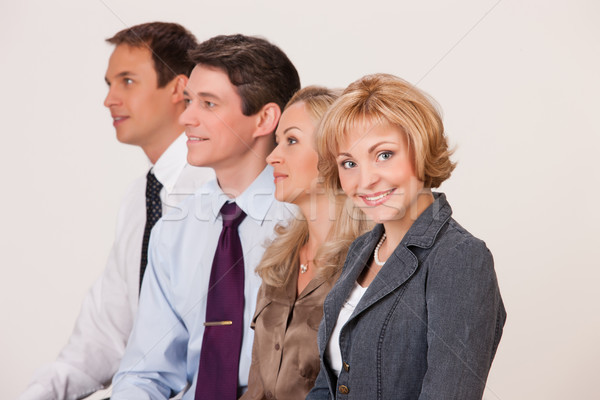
x,y
168,43
260,71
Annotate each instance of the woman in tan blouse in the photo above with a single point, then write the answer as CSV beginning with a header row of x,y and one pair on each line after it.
x,y
303,262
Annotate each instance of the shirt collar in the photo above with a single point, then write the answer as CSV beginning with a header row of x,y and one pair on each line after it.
x,y
170,164
255,201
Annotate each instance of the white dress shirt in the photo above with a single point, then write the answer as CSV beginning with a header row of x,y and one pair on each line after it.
x,y
91,357
164,349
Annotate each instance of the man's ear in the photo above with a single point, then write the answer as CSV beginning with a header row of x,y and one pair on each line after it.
x,y
268,118
177,86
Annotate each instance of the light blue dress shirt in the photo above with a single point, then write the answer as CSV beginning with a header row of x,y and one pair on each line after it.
x,y
163,352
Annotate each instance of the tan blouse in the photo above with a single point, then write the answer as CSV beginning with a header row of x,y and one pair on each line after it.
x,y
285,357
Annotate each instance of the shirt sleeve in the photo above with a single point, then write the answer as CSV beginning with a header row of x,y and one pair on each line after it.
x,y
465,317
154,364
92,355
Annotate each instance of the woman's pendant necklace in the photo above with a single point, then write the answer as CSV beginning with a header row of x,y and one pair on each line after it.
x,y
303,268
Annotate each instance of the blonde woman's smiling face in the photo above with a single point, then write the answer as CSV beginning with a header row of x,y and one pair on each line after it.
x,y
376,171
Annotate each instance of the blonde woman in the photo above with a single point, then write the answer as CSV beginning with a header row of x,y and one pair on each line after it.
x,y
416,312
303,262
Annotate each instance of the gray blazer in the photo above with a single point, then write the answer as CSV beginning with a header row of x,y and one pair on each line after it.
x,y
429,324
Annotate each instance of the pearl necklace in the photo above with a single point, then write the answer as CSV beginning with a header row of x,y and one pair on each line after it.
x,y
376,252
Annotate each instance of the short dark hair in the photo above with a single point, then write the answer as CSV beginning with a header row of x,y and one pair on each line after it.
x,y
261,72
168,43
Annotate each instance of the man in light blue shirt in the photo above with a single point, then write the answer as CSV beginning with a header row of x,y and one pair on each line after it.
x,y
234,100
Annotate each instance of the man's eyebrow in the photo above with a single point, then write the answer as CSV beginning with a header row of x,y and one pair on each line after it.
x,y
204,95
120,75
125,73
208,95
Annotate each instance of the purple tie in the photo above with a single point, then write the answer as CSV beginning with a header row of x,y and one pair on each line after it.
x,y
222,341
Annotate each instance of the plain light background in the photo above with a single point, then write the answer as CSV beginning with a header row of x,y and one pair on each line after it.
x,y
518,82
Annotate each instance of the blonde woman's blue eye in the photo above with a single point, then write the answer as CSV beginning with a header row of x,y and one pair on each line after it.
x,y
292,140
386,155
348,164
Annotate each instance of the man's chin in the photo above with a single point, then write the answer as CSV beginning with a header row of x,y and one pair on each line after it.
x,y
125,137
197,161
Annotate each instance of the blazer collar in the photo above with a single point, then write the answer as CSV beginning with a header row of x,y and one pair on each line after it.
x,y
358,256
425,229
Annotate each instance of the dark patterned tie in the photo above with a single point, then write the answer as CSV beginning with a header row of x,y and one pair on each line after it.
x,y
222,341
153,213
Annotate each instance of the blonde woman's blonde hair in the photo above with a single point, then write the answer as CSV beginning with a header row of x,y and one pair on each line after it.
x,y
281,257
388,100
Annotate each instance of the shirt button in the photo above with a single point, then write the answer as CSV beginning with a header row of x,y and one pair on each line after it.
x,y
344,389
277,346
346,367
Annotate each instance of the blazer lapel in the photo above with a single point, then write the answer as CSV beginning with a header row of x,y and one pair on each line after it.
x,y
396,271
356,260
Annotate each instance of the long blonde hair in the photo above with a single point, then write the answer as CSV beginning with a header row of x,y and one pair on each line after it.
x,y
282,256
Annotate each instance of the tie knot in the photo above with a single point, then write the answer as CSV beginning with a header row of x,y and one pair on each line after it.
x,y
232,215
153,186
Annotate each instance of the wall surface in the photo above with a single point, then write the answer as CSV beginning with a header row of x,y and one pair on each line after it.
x,y
518,82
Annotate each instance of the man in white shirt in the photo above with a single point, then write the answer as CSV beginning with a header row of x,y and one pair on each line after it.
x,y
234,100
146,76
